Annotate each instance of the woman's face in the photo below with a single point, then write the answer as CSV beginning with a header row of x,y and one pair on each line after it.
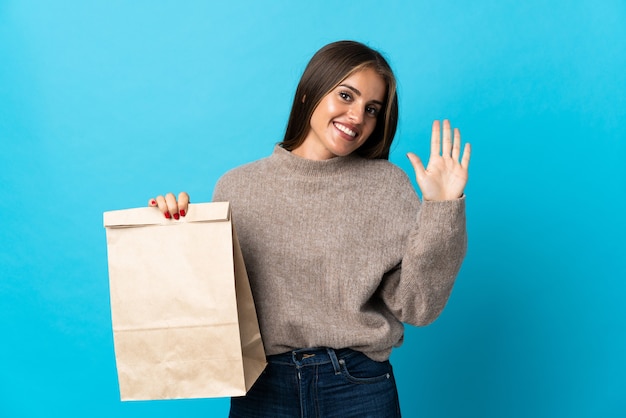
x,y
345,117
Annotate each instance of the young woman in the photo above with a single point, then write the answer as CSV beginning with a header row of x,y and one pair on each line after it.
x,y
338,247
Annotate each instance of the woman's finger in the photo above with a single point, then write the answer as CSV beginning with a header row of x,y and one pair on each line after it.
x,y
417,164
162,205
456,145
172,206
183,203
435,139
467,151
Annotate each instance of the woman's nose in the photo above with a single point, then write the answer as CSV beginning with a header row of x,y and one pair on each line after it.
x,y
355,113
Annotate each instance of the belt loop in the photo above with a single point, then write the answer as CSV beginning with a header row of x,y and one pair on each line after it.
x,y
333,359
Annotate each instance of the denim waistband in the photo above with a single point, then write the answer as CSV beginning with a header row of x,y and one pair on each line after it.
x,y
312,356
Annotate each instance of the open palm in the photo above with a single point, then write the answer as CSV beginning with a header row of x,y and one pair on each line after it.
x,y
445,176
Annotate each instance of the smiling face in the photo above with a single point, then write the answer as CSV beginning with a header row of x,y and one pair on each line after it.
x,y
345,117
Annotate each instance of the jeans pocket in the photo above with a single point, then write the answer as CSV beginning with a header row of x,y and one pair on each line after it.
x,y
363,370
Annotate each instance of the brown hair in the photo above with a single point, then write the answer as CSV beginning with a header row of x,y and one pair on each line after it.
x,y
327,69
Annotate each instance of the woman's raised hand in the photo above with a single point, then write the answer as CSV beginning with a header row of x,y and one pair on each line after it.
x,y
169,206
445,176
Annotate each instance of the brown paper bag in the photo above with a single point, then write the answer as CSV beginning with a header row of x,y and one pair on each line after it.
x,y
184,322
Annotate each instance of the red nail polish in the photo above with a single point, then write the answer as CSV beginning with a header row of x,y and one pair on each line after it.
x,y
153,202
182,212
167,215
176,216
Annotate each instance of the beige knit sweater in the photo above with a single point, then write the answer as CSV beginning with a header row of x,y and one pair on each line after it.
x,y
340,252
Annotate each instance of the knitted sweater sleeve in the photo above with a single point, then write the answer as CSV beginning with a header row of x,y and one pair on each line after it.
x,y
417,290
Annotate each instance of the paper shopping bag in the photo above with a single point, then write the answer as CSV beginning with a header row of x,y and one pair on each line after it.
x,y
184,321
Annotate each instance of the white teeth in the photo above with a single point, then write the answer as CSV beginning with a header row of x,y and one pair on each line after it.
x,y
345,130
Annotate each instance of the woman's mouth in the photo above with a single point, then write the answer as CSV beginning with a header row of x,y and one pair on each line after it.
x,y
343,128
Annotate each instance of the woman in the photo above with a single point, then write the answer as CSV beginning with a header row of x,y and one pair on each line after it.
x,y
338,247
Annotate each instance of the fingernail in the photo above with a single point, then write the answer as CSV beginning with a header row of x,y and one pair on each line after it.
x,y
153,202
167,215
176,216
182,212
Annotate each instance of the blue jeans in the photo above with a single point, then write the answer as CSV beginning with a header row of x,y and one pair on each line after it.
x,y
321,383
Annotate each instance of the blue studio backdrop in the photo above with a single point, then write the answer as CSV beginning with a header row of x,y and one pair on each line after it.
x,y
104,104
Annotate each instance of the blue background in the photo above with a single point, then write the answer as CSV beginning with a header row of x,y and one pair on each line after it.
x,y
104,104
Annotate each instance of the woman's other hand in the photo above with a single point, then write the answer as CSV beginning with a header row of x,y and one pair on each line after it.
x,y
446,175
169,206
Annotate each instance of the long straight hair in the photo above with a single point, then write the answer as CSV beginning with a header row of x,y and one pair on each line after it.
x,y
327,69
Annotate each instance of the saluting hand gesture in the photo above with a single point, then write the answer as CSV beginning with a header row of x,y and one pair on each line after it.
x,y
445,176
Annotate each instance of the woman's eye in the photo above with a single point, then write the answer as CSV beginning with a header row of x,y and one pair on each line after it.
x,y
344,95
372,111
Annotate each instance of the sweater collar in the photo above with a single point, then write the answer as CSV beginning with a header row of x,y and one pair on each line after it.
x,y
297,165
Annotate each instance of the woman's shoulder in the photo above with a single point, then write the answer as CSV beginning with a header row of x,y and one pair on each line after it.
x,y
383,170
385,166
248,169
246,176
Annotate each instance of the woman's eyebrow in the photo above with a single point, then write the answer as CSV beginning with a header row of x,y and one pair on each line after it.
x,y
358,93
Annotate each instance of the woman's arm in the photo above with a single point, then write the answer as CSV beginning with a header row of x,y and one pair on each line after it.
x,y
418,289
